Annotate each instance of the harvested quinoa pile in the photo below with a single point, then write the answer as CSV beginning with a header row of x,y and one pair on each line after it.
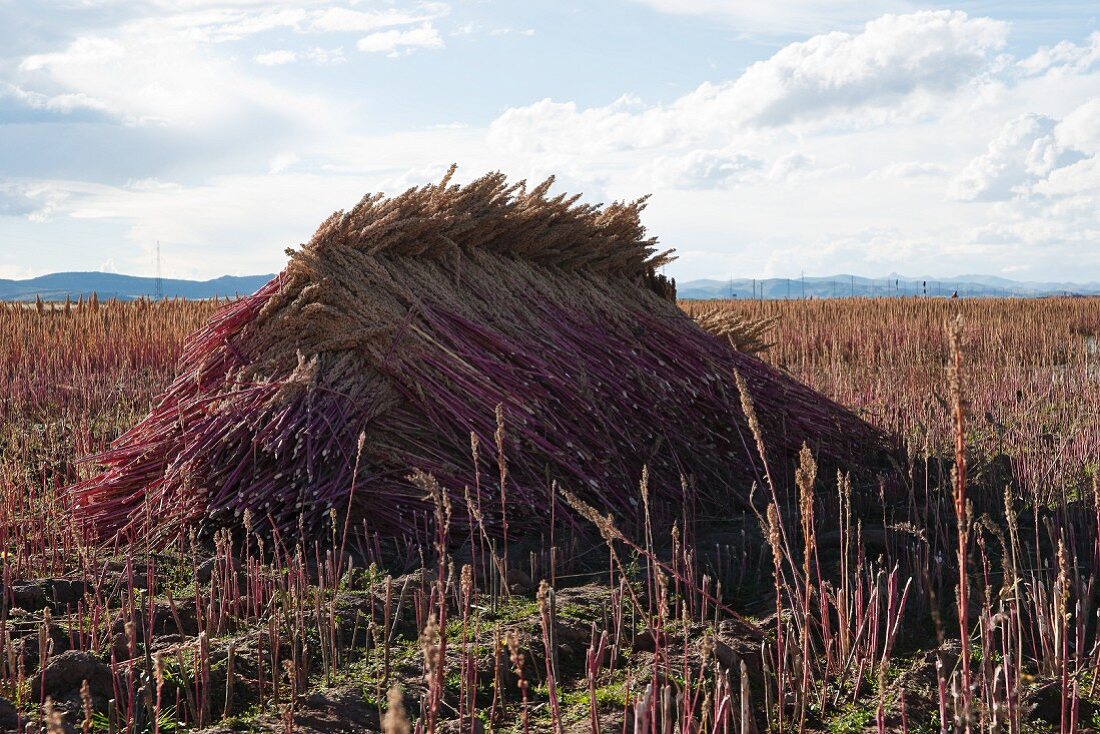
x,y
473,332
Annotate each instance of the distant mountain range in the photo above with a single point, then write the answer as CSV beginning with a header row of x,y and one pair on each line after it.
x,y
844,286
57,286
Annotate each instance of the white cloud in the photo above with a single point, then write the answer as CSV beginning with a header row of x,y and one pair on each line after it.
x,y
894,60
790,165
507,31
316,55
1024,152
345,19
907,169
230,21
21,105
277,58
84,50
1080,177
152,184
395,43
469,28
1044,177
412,177
1080,129
160,67
894,56
15,201
230,25
35,202
560,126
169,80
703,169
1064,57
782,16
234,209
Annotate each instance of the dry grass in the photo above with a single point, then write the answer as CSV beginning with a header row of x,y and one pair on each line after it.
x,y
840,611
1031,377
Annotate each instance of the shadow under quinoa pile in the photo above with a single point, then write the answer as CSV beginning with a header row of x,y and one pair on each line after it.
x,y
489,334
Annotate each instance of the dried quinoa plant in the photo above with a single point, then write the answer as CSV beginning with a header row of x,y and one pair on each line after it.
x,y
490,310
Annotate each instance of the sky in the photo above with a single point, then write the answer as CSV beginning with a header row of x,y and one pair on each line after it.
x,y
779,137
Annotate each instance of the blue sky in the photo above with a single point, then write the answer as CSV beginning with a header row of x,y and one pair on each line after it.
x,y
780,137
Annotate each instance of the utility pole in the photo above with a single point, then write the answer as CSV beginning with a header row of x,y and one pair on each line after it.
x,y
159,283
803,285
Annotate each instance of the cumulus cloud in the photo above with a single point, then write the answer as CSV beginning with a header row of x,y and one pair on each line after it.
x,y
1071,192
35,202
908,169
21,105
894,58
1024,152
396,43
726,168
83,50
1043,177
1033,229
1080,129
561,126
703,169
1065,56
790,165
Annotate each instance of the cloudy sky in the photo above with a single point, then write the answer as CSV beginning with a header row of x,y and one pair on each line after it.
x,y
863,136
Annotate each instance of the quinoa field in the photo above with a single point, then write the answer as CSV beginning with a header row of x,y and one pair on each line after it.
x,y
949,588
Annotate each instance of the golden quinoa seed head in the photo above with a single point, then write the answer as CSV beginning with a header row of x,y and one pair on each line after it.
x,y
491,215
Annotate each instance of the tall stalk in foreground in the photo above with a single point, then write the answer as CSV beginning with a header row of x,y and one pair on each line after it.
x,y
954,374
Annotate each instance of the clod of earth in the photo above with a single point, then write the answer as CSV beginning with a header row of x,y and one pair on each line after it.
x,y
66,673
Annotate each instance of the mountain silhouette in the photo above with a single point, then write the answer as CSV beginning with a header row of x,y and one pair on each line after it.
x,y
58,286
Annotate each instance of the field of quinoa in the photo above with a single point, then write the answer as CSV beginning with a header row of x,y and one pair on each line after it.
x,y
952,591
